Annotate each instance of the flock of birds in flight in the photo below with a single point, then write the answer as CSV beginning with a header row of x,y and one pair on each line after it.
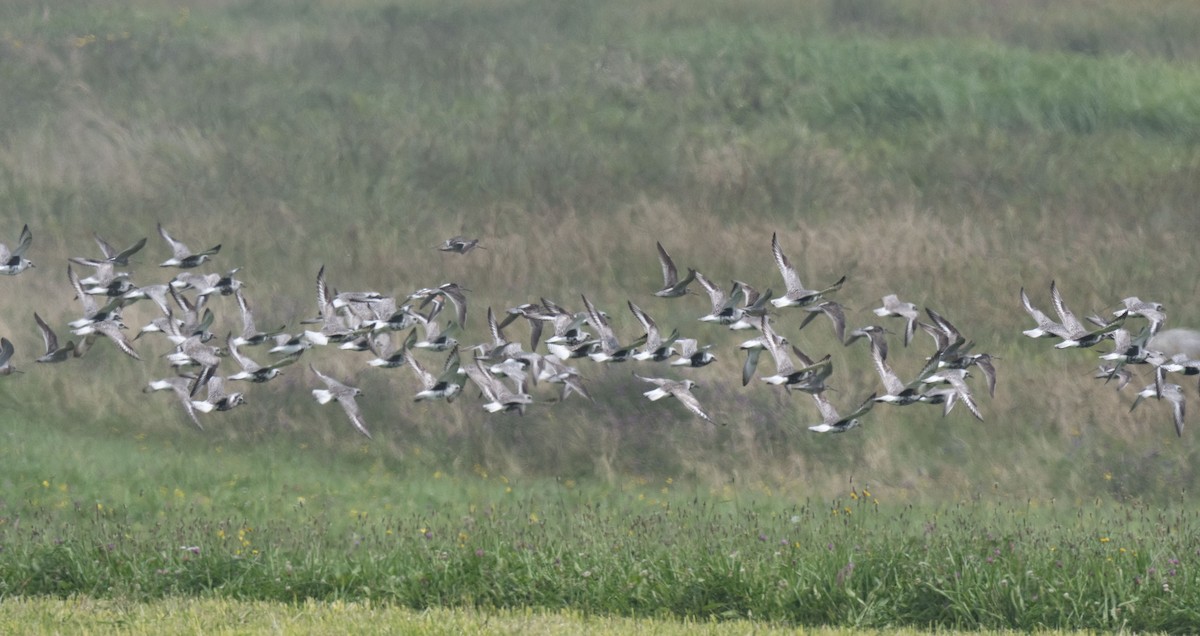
x,y
504,372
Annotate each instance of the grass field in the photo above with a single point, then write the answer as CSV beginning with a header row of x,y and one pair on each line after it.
x,y
949,152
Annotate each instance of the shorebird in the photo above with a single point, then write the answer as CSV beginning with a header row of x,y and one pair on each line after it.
x,y
809,378
833,310
981,360
1123,376
106,281
6,354
657,348
1173,393
191,351
445,386
724,306
217,399
460,245
899,393
555,372
333,326
892,306
449,291
680,390
1071,330
755,346
672,287
112,255
250,335
693,355
109,328
609,349
536,315
950,343
386,356
1178,363
182,257
1046,328
54,353
797,294
91,312
567,326
754,308
436,339
342,394
499,396
157,293
1125,351
251,370
13,262
1151,311
875,336
224,284
500,348
956,378
182,386
289,345
831,422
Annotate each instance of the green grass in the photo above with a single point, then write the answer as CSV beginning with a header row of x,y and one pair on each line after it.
x,y
643,549
950,152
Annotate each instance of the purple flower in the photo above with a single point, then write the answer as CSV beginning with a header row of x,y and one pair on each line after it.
x,y
762,537
478,552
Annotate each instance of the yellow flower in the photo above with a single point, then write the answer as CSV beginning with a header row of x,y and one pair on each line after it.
x,y
1104,539
45,484
1107,476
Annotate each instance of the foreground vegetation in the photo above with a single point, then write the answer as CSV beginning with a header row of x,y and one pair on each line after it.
x,y
643,550
224,616
950,152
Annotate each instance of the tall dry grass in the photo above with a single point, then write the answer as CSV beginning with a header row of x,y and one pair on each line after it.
x,y
571,139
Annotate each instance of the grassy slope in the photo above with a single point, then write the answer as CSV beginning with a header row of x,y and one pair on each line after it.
x,y
989,153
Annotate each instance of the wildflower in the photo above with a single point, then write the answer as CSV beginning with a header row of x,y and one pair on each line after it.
x,y
1104,539
479,552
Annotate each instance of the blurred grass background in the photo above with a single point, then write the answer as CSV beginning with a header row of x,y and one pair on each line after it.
x,y
949,152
